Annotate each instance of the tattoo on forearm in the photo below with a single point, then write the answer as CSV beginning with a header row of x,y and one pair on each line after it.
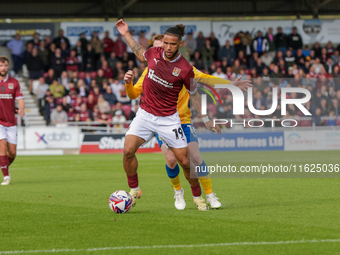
x,y
137,49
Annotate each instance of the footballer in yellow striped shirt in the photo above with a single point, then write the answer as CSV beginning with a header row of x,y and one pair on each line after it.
x,y
172,168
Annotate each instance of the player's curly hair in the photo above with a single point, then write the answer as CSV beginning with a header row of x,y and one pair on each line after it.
x,y
158,37
178,30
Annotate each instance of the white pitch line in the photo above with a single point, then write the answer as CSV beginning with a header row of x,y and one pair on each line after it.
x,y
171,246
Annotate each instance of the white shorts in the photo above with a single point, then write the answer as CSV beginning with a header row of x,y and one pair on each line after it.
x,y
169,128
9,133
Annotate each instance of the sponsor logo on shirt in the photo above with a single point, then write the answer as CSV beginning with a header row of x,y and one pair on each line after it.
x,y
176,71
152,76
3,88
10,85
6,96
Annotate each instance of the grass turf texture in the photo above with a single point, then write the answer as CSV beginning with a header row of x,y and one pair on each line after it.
x,y
61,202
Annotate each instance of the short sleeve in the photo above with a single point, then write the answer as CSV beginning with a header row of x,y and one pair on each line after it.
x,y
18,94
190,82
150,52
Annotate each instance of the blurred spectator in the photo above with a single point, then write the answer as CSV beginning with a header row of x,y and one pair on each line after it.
x,y
112,61
109,96
80,55
317,49
89,59
306,51
83,42
260,43
289,59
200,42
66,106
41,91
44,55
108,44
119,46
242,59
50,76
300,59
266,58
295,41
228,52
27,52
330,49
119,119
214,44
317,66
238,45
65,52
219,73
83,92
197,61
271,43
329,66
95,93
106,70
58,115
35,67
207,54
101,60
123,97
100,77
72,62
142,40
281,41
103,105
104,118
84,113
57,90
259,66
332,120
335,56
71,114
35,41
253,60
133,112
16,46
192,44
185,50
57,63
97,46
316,118
61,38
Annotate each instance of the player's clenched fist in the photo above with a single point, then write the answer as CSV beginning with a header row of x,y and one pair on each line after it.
x,y
122,27
128,77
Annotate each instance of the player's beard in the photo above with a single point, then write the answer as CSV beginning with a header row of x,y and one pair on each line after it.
x,y
170,58
3,73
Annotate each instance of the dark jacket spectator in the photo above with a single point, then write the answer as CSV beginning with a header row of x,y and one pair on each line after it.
x,y
228,52
61,38
295,40
281,41
58,63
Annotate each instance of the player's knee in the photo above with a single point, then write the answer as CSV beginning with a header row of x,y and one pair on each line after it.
x,y
197,159
185,162
129,152
171,162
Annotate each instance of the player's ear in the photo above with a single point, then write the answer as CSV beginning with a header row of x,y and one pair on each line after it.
x,y
180,45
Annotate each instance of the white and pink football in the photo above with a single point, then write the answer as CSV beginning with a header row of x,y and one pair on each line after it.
x,y
120,201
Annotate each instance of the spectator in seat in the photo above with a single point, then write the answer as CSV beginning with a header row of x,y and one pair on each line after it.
x,y
119,47
300,59
100,61
133,112
104,119
71,114
330,49
317,66
109,96
61,38
95,112
66,106
142,40
228,52
97,46
36,40
335,56
72,62
112,61
289,59
17,48
65,52
281,41
242,59
306,51
27,52
259,101
200,42
50,76
123,97
271,43
80,55
295,41
83,92
185,51
35,66
58,63
41,92
95,93
103,105
316,118
106,70
266,58
84,113
253,60
58,116
192,44
317,49
259,66
276,73
84,42
89,59
332,120
44,55
329,66
214,44
219,73
107,44
57,90
260,43
197,61
100,77
119,119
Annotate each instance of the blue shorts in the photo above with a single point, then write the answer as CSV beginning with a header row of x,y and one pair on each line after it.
x,y
189,132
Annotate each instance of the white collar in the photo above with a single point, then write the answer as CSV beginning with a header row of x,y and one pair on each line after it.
x,y
6,78
176,59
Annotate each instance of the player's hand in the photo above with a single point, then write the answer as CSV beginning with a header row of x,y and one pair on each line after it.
x,y
21,112
244,84
210,126
122,27
128,77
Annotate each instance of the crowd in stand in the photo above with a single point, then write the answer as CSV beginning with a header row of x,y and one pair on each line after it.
x,y
85,82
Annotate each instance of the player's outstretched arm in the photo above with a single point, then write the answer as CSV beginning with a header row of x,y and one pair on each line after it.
x,y
21,107
133,91
137,49
196,101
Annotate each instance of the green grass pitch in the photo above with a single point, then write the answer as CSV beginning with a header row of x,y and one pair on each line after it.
x,y
61,203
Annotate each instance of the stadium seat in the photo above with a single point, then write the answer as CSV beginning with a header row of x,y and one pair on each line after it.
x,y
337,123
93,75
305,123
127,109
82,75
212,108
126,125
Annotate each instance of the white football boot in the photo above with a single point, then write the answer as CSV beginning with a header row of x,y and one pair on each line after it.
x,y
7,181
212,200
180,202
201,205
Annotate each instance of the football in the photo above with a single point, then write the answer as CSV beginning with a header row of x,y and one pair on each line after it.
x,y
120,201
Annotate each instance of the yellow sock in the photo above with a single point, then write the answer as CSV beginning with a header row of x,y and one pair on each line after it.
x,y
206,184
176,182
